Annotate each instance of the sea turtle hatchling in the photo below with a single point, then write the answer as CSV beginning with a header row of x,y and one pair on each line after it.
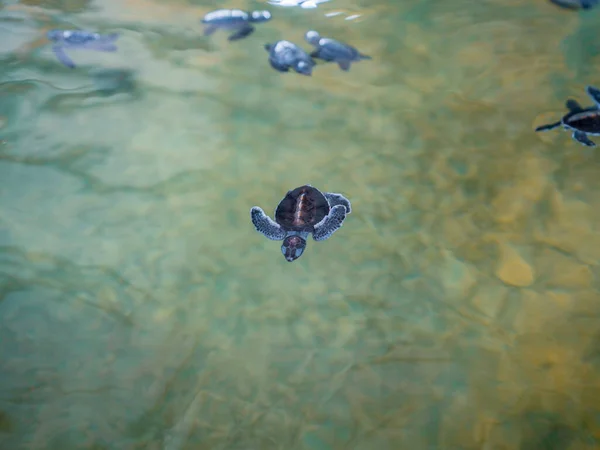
x,y
234,19
333,51
582,121
284,55
302,211
79,39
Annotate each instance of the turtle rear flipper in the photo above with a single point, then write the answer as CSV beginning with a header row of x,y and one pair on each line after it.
x,y
582,138
265,225
338,199
242,33
550,126
330,224
210,29
594,94
344,65
62,56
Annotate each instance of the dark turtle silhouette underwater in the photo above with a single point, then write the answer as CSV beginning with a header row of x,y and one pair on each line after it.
x,y
576,4
285,55
80,39
234,19
302,211
333,51
582,121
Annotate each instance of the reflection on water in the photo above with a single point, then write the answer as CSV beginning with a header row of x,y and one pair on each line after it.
x,y
457,308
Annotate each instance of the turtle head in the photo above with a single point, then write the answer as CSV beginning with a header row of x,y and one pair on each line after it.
x,y
260,16
292,247
304,67
312,37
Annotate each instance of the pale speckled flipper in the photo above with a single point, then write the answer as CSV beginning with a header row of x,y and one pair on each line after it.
x,y
242,33
582,138
330,224
594,94
59,51
265,225
338,199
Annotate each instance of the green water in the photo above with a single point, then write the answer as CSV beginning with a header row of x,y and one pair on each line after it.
x,y
458,307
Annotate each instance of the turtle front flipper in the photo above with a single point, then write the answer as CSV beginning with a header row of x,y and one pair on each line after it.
x,y
550,126
59,51
330,224
594,94
338,199
242,33
582,138
265,225
573,106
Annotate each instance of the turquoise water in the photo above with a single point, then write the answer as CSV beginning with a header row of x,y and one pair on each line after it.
x,y
457,308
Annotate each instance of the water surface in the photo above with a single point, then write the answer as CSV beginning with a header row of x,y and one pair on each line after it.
x,y
457,308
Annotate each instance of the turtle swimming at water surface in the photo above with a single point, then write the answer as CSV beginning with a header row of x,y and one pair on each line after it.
x,y
302,211
80,39
582,121
234,19
285,55
333,51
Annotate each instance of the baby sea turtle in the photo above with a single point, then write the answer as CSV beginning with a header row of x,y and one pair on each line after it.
x,y
333,51
582,121
284,55
80,39
302,211
576,4
234,19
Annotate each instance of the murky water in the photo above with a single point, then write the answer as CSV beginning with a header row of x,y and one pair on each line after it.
x,y
457,308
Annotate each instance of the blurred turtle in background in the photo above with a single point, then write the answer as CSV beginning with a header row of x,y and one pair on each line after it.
x,y
285,55
333,51
234,19
305,4
581,121
80,39
576,4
